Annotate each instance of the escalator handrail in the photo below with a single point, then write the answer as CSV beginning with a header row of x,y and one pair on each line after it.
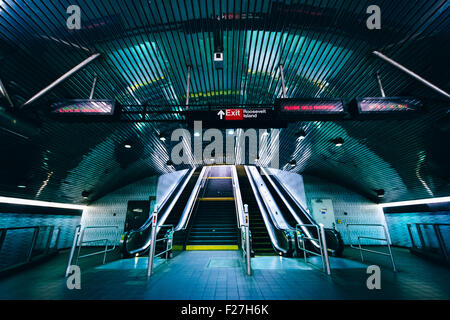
x,y
164,202
166,211
292,211
293,198
272,208
266,218
187,212
237,197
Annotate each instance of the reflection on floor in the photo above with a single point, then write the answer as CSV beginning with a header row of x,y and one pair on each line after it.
x,y
220,275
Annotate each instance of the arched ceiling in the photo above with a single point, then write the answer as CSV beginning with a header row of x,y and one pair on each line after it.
x,y
146,47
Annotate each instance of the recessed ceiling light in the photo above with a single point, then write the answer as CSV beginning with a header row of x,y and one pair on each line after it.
x,y
162,138
127,146
196,134
293,163
338,142
21,186
231,131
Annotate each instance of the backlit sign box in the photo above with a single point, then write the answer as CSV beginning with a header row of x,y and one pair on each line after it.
x,y
310,109
386,108
84,108
385,105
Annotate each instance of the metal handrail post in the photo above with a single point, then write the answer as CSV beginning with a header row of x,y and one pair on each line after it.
x,y
360,249
413,244
151,253
72,251
319,235
80,244
419,232
441,241
33,243
247,240
49,239
2,237
57,238
247,250
325,250
106,250
388,239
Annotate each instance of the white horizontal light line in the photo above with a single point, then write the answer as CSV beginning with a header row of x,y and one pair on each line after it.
x,y
41,203
413,202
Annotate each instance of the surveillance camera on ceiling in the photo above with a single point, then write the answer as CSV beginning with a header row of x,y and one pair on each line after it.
x,y
218,60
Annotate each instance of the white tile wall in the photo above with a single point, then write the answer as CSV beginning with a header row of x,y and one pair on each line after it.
x,y
359,209
111,210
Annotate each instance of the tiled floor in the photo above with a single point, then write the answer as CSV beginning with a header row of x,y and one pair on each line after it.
x,y
220,275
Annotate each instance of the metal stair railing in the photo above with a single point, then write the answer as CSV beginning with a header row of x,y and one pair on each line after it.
x,y
78,240
385,239
322,244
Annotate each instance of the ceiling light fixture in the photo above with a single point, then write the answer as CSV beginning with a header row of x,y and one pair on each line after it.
x,y
380,193
414,202
40,203
85,194
338,142
293,163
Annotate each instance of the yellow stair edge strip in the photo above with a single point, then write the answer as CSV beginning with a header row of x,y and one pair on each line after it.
x,y
217,178
212,247
217,199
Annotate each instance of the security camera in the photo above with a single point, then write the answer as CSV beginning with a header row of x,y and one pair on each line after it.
x,y
218,60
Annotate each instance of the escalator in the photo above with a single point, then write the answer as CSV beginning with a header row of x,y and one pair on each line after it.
x,y
333,238
136,242
290,219
261,243
214,222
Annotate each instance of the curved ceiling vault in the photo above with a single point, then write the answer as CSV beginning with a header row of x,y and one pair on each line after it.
x,y
146,48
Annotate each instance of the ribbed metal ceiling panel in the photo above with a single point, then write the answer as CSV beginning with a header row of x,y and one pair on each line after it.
x,y
146,48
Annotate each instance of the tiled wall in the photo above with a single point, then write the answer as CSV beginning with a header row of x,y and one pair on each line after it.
x,y
359,209
111,209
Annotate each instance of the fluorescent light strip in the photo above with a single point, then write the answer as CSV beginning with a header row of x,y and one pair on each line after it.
x,y
41,203
413,202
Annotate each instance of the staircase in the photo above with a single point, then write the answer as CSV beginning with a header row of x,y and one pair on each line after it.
x,y
214,225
